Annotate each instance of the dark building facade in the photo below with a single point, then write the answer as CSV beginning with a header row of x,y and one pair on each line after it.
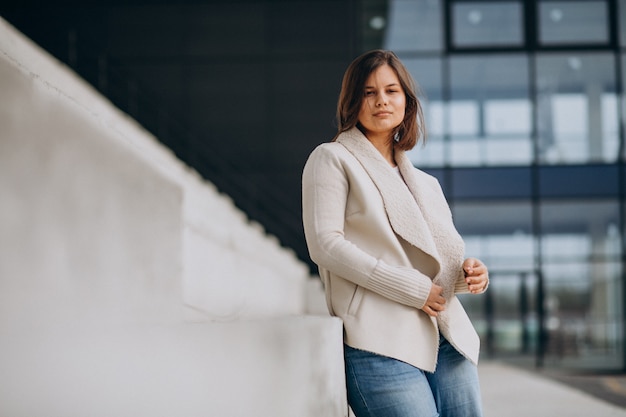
x,y
525,109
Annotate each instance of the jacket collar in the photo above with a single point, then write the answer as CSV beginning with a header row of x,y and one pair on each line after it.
x,y
401,203
417,210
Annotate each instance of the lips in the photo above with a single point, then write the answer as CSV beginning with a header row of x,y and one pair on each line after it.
x,y
382,114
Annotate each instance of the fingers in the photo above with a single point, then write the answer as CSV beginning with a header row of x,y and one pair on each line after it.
x,y
476,279
438,304
433,312
430,311
476,275
477,283
435,302
473,266
477,288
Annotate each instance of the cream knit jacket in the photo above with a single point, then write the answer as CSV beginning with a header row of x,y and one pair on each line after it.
x,y
380,242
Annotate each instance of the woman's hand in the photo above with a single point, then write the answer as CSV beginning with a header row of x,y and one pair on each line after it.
x,y
476,275
435,302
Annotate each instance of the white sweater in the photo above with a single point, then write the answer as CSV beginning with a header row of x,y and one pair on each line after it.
x,y
379,243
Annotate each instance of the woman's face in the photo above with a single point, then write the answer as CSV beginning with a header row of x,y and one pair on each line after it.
x,y
383,104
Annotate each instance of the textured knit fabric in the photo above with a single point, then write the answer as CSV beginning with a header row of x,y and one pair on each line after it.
x,y
380,240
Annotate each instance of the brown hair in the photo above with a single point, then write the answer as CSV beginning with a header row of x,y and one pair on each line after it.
x,y
351,97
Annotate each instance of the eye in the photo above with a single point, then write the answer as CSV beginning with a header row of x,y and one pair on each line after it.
x,y
369,93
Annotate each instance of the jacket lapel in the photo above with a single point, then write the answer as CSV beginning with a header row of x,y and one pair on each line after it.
x,y
402,203
428,193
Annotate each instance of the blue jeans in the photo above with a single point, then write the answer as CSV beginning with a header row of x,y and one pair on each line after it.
x,y
379,386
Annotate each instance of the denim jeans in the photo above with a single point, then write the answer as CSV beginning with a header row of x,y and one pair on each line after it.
x,y
379,386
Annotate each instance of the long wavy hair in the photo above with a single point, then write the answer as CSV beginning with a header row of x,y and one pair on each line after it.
x,y
352,94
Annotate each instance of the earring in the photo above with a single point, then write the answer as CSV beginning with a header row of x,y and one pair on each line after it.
x,y
396,137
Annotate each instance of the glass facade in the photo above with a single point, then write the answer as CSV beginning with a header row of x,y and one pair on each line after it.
x,y
487,24
524,104
560,22
577,110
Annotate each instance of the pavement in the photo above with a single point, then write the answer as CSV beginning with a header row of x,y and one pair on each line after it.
x,y
512,391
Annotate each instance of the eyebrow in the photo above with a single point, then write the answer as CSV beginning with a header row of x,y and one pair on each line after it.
x,y
388,85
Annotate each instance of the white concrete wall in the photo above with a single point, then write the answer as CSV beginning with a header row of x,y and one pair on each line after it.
x,y
128,285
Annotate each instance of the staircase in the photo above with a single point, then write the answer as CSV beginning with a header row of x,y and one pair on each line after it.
x,y
129,285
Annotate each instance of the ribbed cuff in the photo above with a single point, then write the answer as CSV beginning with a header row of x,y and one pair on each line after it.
x,y
401,284
461,287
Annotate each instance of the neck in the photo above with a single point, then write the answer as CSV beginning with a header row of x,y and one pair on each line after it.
x,y
385,146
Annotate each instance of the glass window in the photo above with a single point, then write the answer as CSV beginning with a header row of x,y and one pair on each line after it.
x,y
577,119
466,117
373,23
490,112
414,25
476,24
580,247
499,119
568,22
513,325
500,182
500,234
623,75
622,22
428,75
578,181
580,229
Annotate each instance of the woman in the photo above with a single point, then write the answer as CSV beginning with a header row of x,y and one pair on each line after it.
x,y
390,258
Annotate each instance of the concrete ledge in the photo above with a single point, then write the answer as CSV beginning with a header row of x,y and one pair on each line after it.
x,y
95,197
281,368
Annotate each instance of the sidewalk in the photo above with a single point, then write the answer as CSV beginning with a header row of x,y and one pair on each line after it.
x,y
513,392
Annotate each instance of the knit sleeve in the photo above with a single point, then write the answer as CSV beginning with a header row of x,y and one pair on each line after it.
x,y
403,285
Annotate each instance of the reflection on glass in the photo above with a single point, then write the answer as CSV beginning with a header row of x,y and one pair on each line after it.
x,y
498,117
567,22
581,246
373,23
500,235
580,229
487,24
414,25
432,152
514,324
622,22
466,115
623,97
504,252
490,115
427,73
577,117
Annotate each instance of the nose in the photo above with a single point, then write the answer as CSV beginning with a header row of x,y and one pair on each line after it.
x,y
381,99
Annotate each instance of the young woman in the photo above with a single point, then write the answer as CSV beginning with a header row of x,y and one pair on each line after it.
x,y
388,253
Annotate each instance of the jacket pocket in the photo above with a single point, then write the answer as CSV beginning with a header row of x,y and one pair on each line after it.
x,y
327,292
353,307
